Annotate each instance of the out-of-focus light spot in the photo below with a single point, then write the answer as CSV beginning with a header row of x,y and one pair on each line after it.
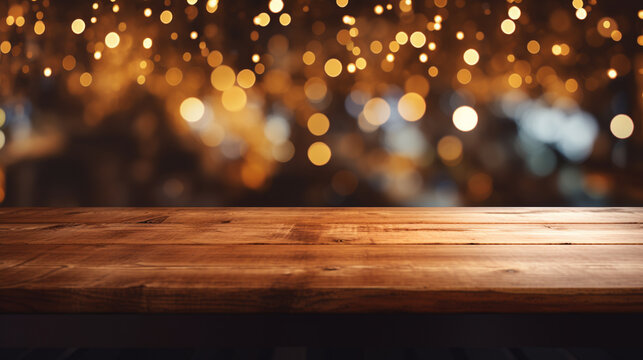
x,y
308,58
140,79
255,58
616,35
211,6
622,126
318,124
465,118
116,8
333,67
639,40
277,129
376,47
285,19
432,46
480,186
93,20
234,99
98,55
471,57
283,152
612,74
222,77
166,17
401,38
390,57
394,46
533,47
514,12
378,9
514,80
433,71
85,79
581,14
147,43
192,109
275,6
463,76
360,63
351,68
112,40
173,76
418,39
459,35
2,142
5,47
315,89
147,12
319,153
376,111
47,72
78,26
450,149
194,35
262,19
246,78
423,58
341,3
39,27
3,117
508,26
556,49
571,85
411,106
69,62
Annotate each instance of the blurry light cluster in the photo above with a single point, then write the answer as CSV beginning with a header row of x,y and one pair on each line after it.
x,y
423,102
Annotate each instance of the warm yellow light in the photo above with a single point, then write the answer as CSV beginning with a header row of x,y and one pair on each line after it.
x,y
256,58
98,55
465,118
147,43
390,57
78,26
459,35
192,109
234,99
376,47
284,19
376,111
308,58
318,124
401,38
514,12
319,153
351,68
450,149
112,40
147,12
5,47
514,80
47,72
418,39
39,27
432,46
433,71
533,47
246,78
622,126
166,17
378,9
423,57
173,76
222,77
463,76
612,74
360,63
85,79
262,19
471,57
333,67
411,106
275,6
581,14
508,26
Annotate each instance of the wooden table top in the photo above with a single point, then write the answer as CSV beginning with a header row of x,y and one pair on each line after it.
x,y
321,260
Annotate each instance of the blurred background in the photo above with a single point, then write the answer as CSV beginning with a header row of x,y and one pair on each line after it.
x,y
321,103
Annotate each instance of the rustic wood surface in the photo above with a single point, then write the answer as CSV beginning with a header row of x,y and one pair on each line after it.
x,y
321,260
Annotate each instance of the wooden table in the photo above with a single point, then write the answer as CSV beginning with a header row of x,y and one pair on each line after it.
x,y
417,271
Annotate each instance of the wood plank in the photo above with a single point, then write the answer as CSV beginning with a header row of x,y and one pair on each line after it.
x,y
330,234
205,216
311,278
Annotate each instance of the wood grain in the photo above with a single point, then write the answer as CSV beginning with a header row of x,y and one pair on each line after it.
x,y
321,260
